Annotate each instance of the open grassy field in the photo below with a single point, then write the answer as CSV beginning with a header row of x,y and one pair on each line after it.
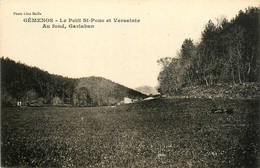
x,y
155,133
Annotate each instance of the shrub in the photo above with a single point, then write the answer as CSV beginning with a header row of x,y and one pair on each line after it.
x,y
56,101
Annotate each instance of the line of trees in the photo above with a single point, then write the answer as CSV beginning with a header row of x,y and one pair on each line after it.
x,y
227,53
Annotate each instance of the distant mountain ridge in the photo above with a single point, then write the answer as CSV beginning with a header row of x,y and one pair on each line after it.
x,y
29,85
148,90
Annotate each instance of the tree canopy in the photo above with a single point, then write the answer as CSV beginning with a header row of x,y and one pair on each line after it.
x,y
227,53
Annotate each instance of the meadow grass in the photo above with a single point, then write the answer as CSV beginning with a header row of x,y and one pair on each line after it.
x,y
155,133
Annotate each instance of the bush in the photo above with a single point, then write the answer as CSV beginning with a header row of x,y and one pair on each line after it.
x,y
56,101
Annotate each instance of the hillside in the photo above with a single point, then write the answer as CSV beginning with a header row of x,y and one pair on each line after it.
x,y
250,90
148,90
227,54
102,91
31,85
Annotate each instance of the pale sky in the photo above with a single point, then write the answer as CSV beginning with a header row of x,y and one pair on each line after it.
x,y
122,52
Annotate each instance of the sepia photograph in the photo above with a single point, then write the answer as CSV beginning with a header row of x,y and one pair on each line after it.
x,y
130,84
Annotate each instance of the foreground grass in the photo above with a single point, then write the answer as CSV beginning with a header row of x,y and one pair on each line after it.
x,y
156,133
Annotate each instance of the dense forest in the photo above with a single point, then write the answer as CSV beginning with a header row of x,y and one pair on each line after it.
x,y
33,86
227,53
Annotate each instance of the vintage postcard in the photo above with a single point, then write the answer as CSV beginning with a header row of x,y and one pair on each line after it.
x,y
140,83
